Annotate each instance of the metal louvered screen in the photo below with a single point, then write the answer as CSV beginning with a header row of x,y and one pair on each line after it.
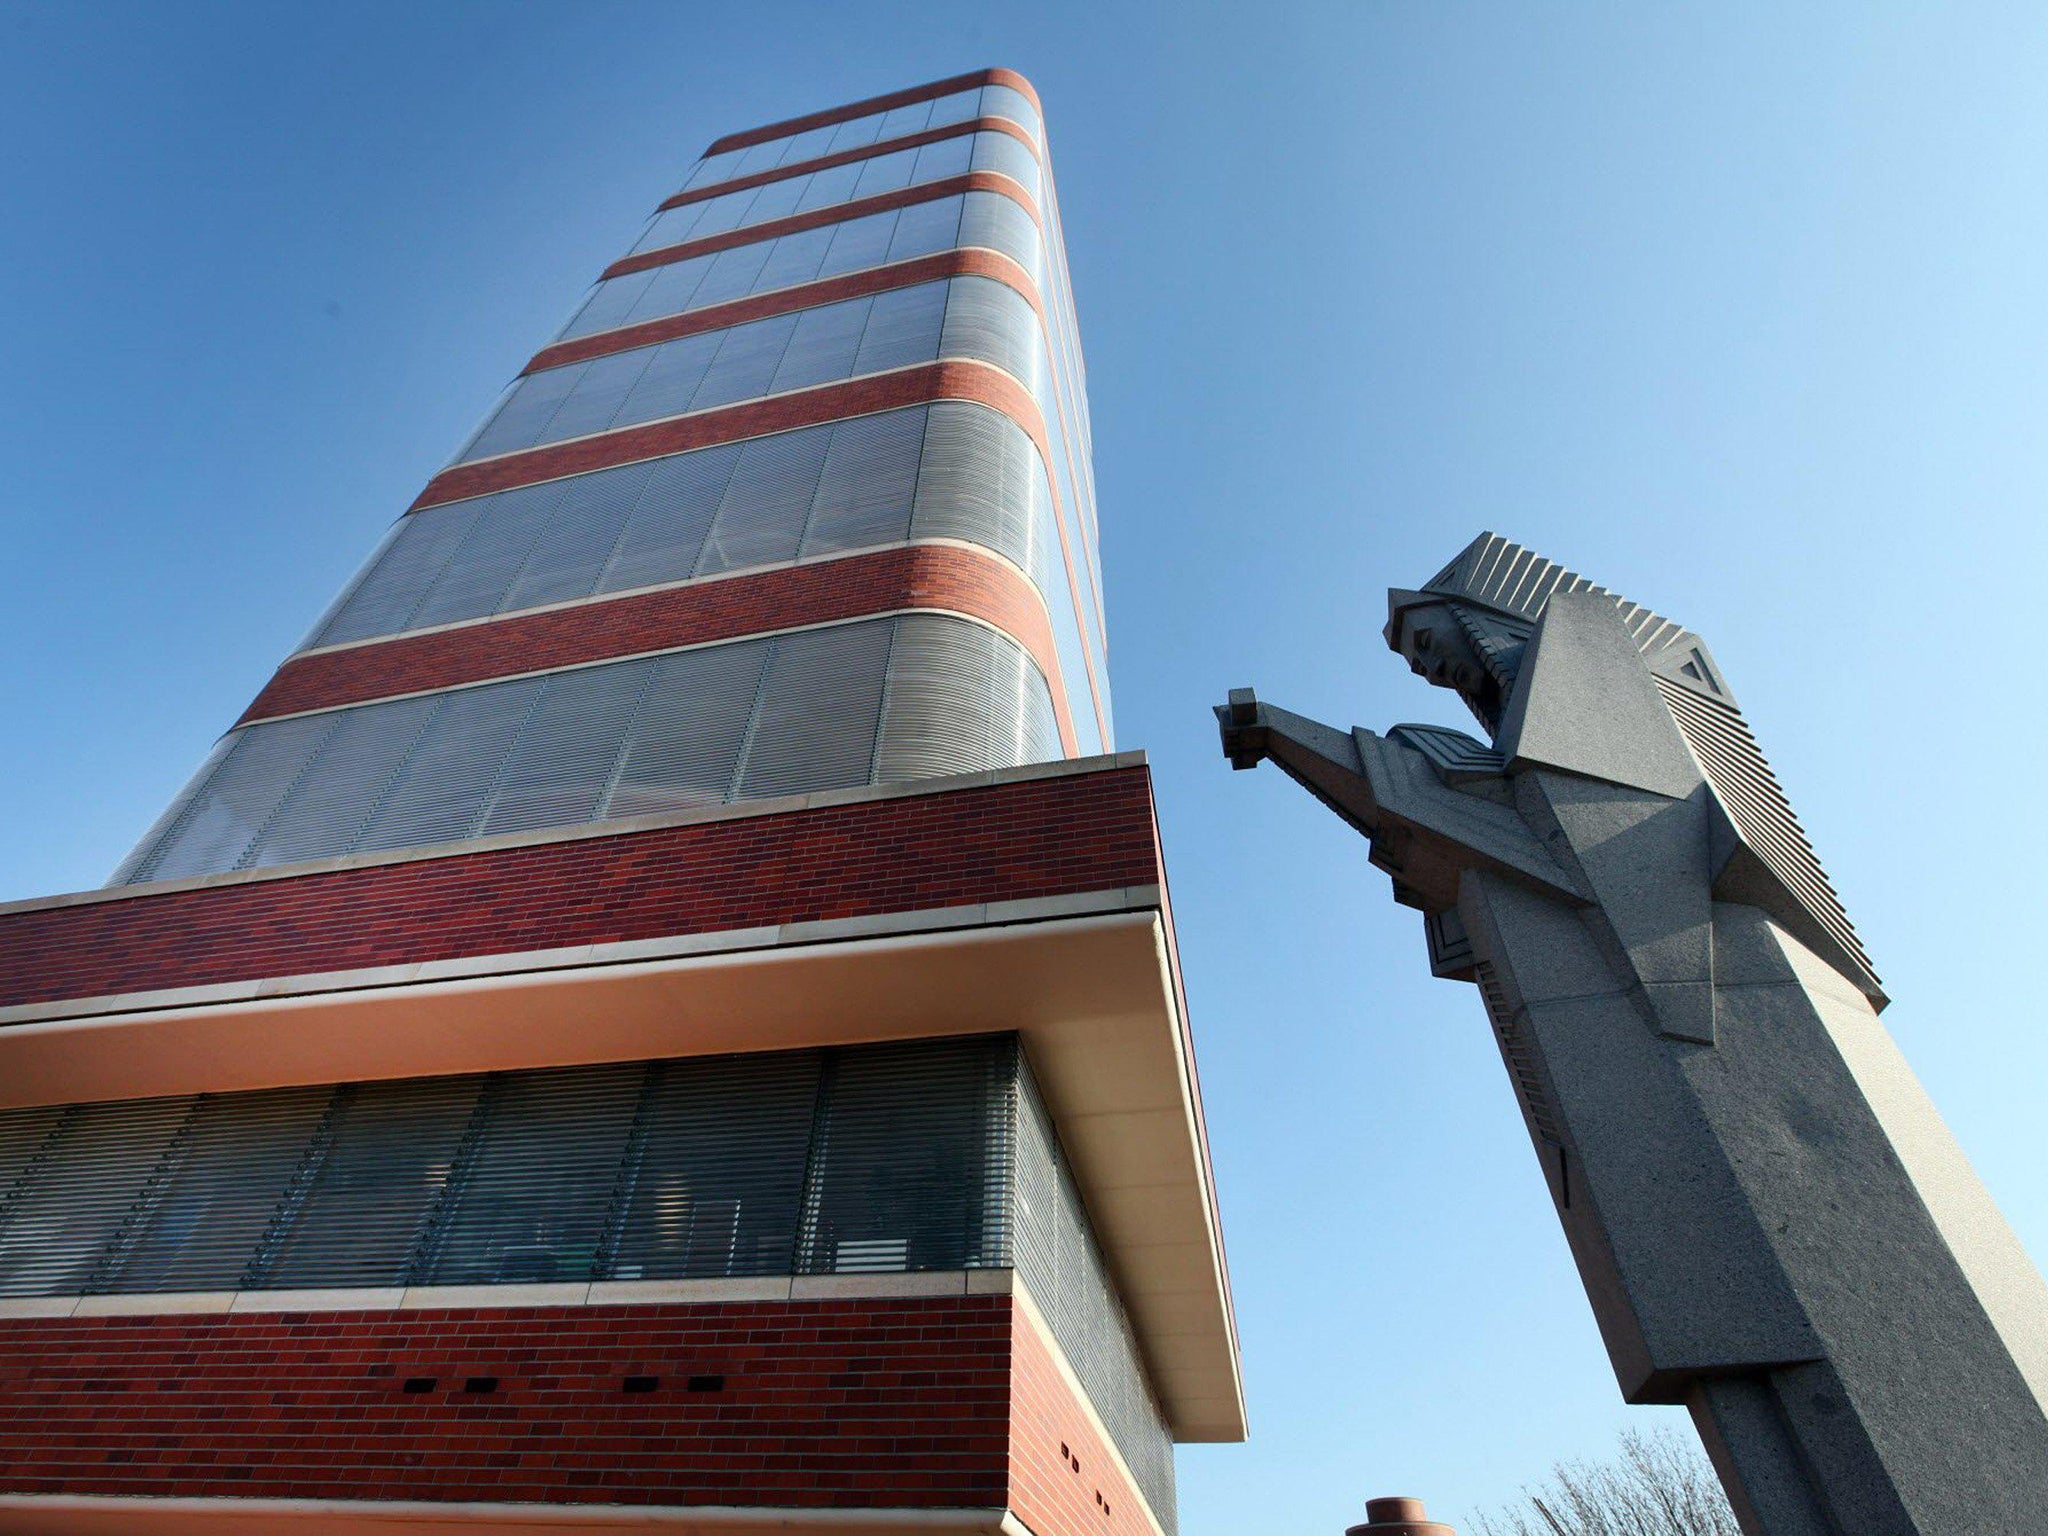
x,y
999,223
960,696
994,322
744,720
75,1201
869,1207
536,1179
742,362
814,491
859,1158
355,1215
213,1201
839,184
715,1182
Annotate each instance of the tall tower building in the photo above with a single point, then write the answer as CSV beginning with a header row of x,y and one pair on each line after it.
x,y
664,1008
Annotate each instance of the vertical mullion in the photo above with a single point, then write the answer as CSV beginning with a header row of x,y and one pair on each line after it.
x,y
434,1230
739,763
33,1167
298,1188
882,706
603,804
619,1210
122,1239
816,1151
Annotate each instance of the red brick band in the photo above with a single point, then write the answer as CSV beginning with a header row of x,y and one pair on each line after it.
x,y
838,1404
1000,842
849,156
1082,1490
922,576
948,380
916,93
817,218
853,285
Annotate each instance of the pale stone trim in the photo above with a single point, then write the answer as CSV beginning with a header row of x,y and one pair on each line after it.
x,y
602,1293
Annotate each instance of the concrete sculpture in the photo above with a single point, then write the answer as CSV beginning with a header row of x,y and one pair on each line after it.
x,y
1773,1224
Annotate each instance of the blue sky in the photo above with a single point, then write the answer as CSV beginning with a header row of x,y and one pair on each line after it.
x,y
1739,308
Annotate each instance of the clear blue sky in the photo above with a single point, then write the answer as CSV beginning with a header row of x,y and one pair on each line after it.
x,y
1739,308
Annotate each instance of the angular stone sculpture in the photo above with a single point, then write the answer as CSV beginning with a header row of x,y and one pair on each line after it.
x,y
1773,1224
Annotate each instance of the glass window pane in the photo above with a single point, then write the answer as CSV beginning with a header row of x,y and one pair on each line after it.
x,y
762,516
795,258
746,360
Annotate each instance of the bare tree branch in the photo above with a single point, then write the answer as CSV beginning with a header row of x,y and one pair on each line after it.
x,y
1659,1485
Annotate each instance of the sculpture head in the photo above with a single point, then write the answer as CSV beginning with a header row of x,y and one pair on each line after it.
x,y
1436,640
1469,629
1453,646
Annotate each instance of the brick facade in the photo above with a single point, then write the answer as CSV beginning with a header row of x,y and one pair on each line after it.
x,y
1062,1476
1001,842
839,1404
923,576
854,1403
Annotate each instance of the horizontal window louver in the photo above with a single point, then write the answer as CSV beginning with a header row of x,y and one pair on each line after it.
x,y
1002,154
356,1214
76,1200
837,184
217,1191
820,345
952,470
997,223
867,1158
535,1179
994,322
784,715
959,696
715,1185
868,1206
894,123
914,1156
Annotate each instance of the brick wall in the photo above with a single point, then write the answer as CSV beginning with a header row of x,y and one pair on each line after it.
x,y
1031,838
1063,1480
922,576
842,1404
